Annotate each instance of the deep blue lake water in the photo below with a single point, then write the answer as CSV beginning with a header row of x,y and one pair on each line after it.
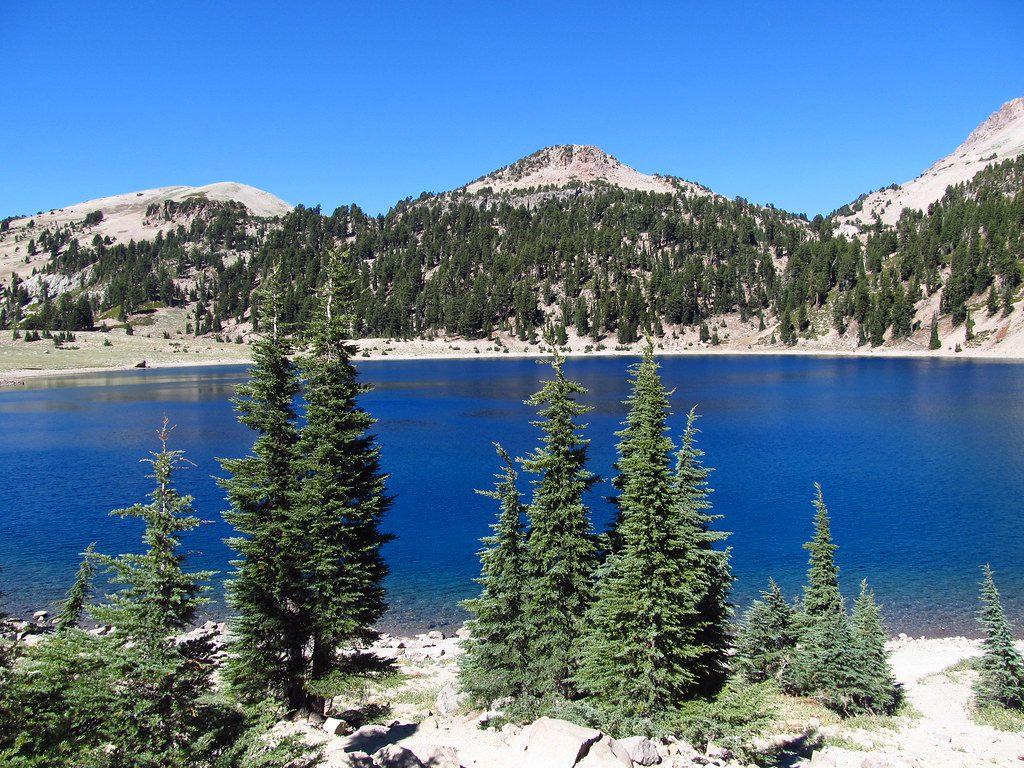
x,y
920,461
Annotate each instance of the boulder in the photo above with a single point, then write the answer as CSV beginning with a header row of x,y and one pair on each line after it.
x,y
641,750
368,739
462,633
435,634
551,743
357,760
606,753
336,726
394,756
449,699
438,756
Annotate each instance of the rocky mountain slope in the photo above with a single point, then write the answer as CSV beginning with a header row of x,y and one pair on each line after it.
x,y
574,165
124,218
1000,137
568,243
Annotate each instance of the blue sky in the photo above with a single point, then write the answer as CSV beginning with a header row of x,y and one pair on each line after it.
x,y
333,103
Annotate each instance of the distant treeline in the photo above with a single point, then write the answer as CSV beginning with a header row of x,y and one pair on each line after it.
x,y
607,262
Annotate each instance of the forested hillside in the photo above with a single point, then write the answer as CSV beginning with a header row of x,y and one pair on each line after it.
x,y
590,260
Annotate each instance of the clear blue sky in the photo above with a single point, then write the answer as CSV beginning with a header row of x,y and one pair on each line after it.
x,y
332,103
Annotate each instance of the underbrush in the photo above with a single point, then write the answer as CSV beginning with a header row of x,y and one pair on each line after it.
x,y
1000,718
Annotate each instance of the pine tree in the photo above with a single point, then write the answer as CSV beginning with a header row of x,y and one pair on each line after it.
x,y
267,659
713,574
560,551
639,652
875,688
821,594
1001,669
74,604
341,499
495,661
766,638
823,663
934,342
161,682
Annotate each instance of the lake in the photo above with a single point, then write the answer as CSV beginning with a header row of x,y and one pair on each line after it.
x,y
920,462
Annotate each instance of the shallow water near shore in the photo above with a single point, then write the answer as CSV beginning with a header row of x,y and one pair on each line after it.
x,y
920,462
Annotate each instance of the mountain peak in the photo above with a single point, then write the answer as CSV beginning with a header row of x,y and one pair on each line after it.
x,y
566,165
1008,119
1000,137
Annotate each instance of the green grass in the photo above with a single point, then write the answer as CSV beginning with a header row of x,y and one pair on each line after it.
x,y
843,742
954,672
999,718
905,714
422,697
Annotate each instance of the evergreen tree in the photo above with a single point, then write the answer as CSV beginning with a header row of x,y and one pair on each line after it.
x,y
710,566
74,604
560,550
495,661
875,688
267,659
823,663
161,714
1001,669
766,638
60,702
639,652
341,499
934,342
822,597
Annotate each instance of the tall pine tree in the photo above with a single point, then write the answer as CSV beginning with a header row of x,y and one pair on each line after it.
x,y
1001,670
496,658
824,663
560,549
162,682
267,659
710,566
341,499
640,655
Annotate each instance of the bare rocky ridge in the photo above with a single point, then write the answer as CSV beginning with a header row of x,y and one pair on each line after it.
x,y
1000,137
576,164
124,218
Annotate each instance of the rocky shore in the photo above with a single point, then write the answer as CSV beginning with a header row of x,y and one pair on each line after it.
x,y
424,721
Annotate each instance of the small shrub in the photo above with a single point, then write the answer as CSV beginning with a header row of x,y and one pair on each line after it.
x,y
739,714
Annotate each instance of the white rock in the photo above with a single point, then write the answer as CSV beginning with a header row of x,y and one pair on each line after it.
x,y
550,743
449,699
436,756
641,750
435,634
606,753
394,756
336,726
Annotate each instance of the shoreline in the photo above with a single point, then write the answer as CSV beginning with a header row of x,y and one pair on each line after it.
x,y
383,350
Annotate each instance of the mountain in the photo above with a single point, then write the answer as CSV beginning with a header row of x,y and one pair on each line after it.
x,y
1000,137
567,243
575,165
124,218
